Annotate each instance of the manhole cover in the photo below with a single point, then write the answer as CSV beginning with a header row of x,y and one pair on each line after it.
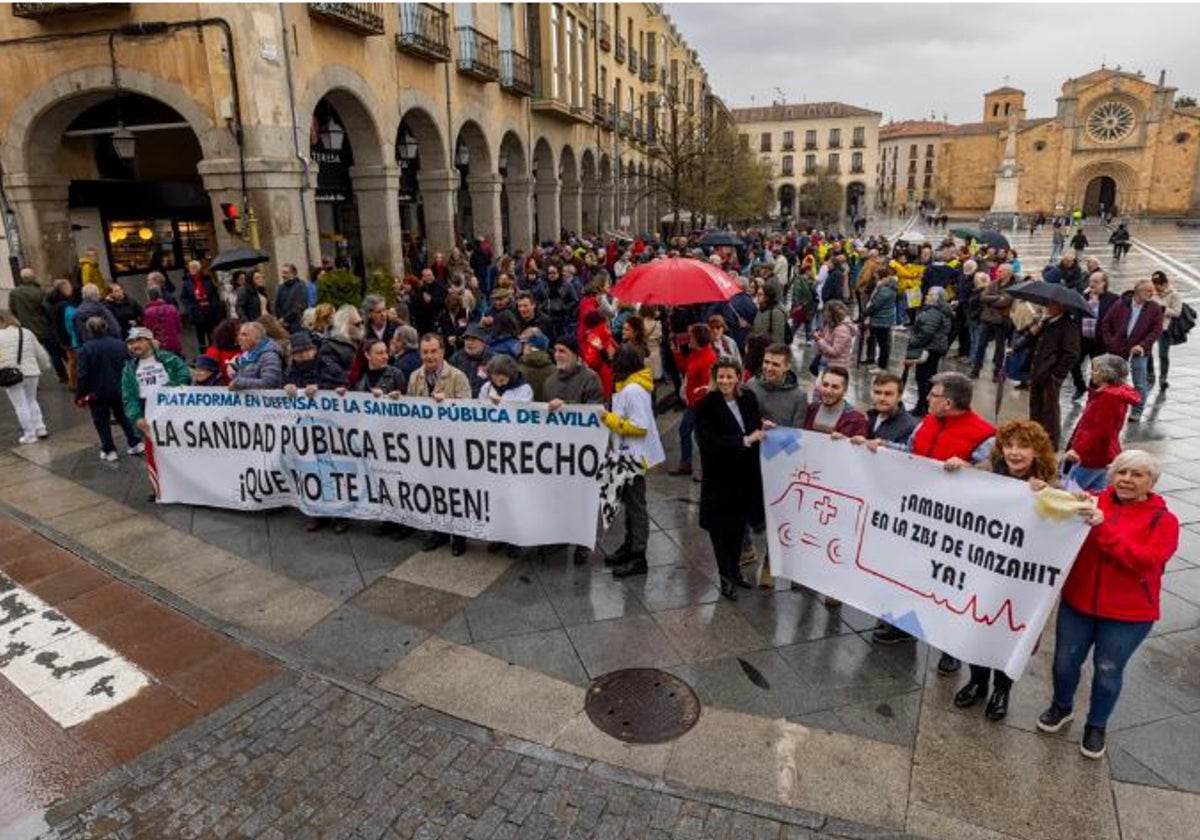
x,y
642,705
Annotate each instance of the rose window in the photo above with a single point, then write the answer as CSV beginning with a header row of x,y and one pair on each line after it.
x,y
1110,122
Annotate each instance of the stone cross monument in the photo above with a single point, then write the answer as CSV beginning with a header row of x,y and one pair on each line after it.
x,y
1008,172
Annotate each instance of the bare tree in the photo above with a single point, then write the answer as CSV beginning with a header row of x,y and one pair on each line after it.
x,y
821,197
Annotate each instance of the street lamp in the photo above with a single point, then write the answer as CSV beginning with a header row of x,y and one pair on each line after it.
x,y
124,143
333,136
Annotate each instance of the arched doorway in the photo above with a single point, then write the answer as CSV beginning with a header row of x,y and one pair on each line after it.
x,y
419,149
135,194
546,218
787,201
515,223
607,193
1100,195
478,190
569,191
331,148
589,219
856,195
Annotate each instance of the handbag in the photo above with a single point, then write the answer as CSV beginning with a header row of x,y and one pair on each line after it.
x,y
11,375
1181,325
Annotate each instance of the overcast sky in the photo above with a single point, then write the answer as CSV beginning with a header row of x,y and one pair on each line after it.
x,y
908,60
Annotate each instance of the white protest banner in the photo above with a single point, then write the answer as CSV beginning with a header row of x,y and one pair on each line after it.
x,y
962,560
513,472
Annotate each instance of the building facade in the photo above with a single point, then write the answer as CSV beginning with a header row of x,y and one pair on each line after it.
x,y
1117,142
801,140
906,171
349,130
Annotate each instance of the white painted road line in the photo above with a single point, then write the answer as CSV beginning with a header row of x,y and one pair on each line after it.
x,y
69,673
1182,270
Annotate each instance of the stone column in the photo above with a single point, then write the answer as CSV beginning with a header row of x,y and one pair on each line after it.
x,y
520,212
549,222
607,206
590,220
377,194
44,221
572,210
281,194
485,205
438,187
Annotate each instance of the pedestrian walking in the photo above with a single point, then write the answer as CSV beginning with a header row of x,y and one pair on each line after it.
x,y
1055,350
22,361
1130,330
1099,299
1168,297
101,361
31,305
929,343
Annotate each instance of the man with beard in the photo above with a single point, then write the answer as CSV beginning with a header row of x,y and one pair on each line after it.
x,y
473,356
529,317
405,356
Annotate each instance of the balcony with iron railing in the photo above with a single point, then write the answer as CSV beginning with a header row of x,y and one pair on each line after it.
x,y
423,31
644,71
810,146
619,49
788,147
601,113
857,170
639,131
604,35
625,125
633,59
363,18
478,55
516,73
44,11
858,143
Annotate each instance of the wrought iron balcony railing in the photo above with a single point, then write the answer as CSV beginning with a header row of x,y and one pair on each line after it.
x,y
601,112
363,18
516,73
44,11
423,31
604,35
478,54
619,50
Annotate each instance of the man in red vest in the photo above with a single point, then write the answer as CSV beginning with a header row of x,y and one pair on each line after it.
x,y
951,433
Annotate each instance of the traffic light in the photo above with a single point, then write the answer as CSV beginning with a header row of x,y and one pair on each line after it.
x,y
231,218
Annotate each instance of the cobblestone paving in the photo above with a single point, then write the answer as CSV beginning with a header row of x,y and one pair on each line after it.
x,y
312,759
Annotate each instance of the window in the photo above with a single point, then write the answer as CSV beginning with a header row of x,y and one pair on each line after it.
x,y
744,142
928,165
912,182
912,151
788,142
860,136
764,143
996,110
856,162
787,165
835,162
912,166
810,139
569,60
555,64
581,75
928,181
928,150
506,27
810,164
835,138
1006,107
603,86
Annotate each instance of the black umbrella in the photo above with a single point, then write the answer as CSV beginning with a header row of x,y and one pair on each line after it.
x,y
238,258
1039,291
996,239
721,238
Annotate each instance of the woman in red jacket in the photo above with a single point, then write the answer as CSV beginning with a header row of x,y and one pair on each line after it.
x,y
1111,597
697,378
598,348
1097,436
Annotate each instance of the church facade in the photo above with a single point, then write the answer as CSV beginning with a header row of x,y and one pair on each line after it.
x,y
1117,143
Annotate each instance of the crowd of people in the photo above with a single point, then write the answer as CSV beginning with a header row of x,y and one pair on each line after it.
x,y
542,325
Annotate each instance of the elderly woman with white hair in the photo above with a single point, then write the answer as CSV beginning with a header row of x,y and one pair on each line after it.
x,y
1096,440
929,343
1111,597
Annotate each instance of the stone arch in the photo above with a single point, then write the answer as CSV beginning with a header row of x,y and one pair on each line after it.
x,y
1128,195
36,128
357,105
548,213
428,135
472,135
512,153
590,193
543,158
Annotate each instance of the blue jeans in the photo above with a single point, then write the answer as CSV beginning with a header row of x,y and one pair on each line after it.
x,y
1115,641
1139,371
686,423
1089,478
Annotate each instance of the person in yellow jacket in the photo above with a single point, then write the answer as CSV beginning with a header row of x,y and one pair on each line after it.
x,y
88,271
908,285
634,433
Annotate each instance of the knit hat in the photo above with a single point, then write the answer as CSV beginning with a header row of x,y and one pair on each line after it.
x,y
501,294
207,363
476,331
538,341
301,341
569,342
139,332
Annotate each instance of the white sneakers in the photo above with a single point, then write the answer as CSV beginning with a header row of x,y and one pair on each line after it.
x,y
136,449
108,456
42,432
24,439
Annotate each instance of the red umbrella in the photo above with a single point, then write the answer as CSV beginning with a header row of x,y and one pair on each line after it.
x,y
675,281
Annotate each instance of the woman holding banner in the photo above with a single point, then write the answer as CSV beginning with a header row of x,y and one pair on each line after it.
x,y
1023,451
1111,597
729,427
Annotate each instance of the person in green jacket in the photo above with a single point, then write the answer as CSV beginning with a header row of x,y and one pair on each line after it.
x,y
147,370
28,303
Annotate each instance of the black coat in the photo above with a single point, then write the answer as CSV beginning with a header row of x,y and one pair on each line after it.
x,y
99,365
731,489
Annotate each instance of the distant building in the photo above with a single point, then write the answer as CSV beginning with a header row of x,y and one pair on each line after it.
x,y
803,139
1116,142
906,172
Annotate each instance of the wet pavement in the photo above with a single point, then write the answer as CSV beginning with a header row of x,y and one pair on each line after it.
x,y
777,669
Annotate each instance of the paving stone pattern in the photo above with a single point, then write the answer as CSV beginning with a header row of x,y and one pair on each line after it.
x,y
312,759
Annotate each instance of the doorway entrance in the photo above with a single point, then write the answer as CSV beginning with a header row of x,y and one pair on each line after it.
x,y
1100,195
